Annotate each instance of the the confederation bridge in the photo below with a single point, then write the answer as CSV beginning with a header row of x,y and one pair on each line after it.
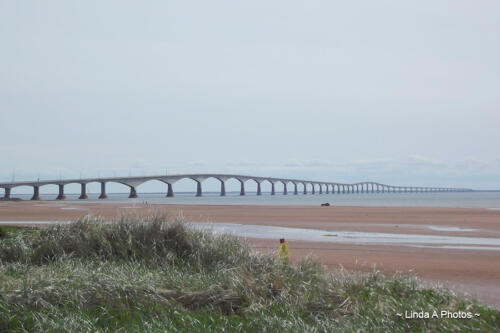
x,y
296,185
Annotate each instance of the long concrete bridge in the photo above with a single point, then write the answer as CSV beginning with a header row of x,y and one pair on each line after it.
x,y
307,186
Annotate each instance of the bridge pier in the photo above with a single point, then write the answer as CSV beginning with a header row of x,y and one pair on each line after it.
x,y
313,191
285,190
198,189
327,189
320,189
7,193
305,188
36,193
242,189
103,191
295,189
83,194
170,191
133,192
259,191
273,192
222,189
61,195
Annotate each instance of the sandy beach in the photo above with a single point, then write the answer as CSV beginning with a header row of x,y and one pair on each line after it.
x,y
474,272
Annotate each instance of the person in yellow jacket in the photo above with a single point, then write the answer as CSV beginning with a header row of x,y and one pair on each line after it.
x,y
284,252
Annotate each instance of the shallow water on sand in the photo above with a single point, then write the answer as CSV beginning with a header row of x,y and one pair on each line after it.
x,y
351,237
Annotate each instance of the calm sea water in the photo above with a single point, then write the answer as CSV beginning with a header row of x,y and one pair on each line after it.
x,y
465,199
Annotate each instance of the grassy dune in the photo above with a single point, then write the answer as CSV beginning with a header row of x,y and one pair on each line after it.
x,y
144,275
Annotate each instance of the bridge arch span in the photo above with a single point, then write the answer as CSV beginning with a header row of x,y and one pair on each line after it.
x,y
268,185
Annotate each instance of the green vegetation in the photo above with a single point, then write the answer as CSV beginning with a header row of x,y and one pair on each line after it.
x,y
143,275
4,230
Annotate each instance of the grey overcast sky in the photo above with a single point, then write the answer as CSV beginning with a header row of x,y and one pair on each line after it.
x,y
401,92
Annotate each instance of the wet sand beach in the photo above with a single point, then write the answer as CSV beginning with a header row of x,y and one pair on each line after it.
x,y
470,271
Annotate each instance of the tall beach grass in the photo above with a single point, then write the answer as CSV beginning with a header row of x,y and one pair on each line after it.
x,y
145,274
